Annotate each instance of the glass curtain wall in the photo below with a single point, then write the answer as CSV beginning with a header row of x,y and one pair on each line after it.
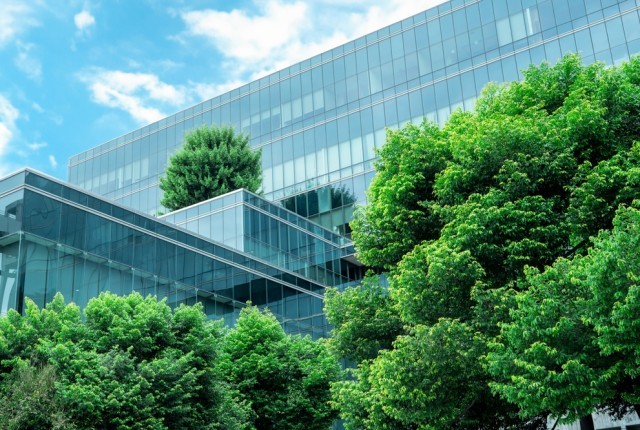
x,y
319,122
269,232
66,241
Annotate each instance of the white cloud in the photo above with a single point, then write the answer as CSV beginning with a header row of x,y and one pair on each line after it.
x,y
84,21
283,32
36,146
26,63
52,116
15,17
201,91
55,118
27,150
53,161
370,16
245,37
112,123
142,95
8,116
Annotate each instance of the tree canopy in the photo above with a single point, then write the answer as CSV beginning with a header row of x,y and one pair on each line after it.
x,y
572,343
285,379
476,225
131,364
213,161
134,363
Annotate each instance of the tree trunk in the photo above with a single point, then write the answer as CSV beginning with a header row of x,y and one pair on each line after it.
x,y
586,423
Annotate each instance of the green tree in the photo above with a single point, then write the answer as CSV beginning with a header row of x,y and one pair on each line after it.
x,y
133,363
462,217
364,320
29,400
614,305
399,217
554,357
286,379
143,365
27,380
213,161
572,341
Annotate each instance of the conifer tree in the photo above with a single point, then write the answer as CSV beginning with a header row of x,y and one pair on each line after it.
x,y
213,161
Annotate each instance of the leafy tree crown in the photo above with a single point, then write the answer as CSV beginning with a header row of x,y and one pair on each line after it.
x,y
509,311
213,161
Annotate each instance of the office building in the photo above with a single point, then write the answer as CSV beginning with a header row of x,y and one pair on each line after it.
x,y
318,124
57,238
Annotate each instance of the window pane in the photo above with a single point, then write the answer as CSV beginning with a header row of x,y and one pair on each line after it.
x,y
504,31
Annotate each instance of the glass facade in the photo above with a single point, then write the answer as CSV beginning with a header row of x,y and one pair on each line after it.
x,y
318,122
57,238
251,224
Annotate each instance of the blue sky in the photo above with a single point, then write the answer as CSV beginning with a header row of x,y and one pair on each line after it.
x,y
75,73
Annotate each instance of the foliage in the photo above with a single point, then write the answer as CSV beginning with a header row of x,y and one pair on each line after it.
x,y
544,359
364,320
577,322
285,379
400,218
132,364
452,348
434,281
213,161
358,406
495,212
613,307
29,401
148,367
